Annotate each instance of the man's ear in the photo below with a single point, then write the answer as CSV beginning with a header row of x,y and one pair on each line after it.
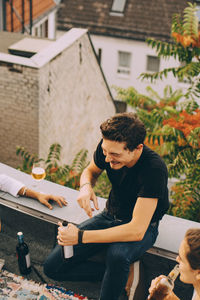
x,y
140,146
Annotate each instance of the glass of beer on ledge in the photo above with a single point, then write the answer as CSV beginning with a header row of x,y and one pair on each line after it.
x,y
38,171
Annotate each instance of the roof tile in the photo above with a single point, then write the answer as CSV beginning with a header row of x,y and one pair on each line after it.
x,y
141,18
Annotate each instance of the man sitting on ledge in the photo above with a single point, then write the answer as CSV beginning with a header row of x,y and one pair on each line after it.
x,y
128,226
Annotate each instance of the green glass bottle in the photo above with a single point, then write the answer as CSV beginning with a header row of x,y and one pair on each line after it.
x,y
23,255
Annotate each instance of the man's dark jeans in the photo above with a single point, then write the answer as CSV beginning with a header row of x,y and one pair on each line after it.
x,y
118,258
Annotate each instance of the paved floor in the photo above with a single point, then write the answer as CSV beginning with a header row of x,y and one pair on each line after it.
x,y
39,236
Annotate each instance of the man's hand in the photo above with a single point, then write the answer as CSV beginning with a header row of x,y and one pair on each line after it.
x,y
45,198
85,196
67,235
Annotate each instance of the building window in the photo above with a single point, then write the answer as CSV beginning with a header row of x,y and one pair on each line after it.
x,y
153,63
118,6
124,63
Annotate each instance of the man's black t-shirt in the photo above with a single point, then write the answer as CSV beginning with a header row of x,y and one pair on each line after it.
x,y
147,178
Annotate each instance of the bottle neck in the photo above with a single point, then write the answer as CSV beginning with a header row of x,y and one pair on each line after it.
x,y
20,238
174,273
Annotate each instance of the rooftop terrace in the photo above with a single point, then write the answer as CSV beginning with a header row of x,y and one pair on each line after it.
x,y
38,226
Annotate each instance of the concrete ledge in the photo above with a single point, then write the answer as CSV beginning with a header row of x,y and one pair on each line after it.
x,y
171,232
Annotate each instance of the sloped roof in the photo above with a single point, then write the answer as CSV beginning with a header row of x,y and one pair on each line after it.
x,y
141,18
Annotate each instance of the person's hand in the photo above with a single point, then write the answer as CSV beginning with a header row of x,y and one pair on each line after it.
x,y
45,198
85,196
159,291
67,235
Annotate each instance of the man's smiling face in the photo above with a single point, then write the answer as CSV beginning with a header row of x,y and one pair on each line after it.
x,y
118,156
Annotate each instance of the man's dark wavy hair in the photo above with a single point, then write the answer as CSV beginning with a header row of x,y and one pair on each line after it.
x,y
124,127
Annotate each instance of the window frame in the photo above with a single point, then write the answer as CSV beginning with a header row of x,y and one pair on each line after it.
x,y
124,71
119,11
147,63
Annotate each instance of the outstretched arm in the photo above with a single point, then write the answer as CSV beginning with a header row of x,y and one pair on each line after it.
x,y
42,198
17,188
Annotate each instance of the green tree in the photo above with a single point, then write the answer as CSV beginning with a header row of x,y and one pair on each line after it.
x,y
173,121
67,175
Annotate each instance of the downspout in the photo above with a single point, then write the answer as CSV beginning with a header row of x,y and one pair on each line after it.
x,y
23,16
4,15
11,14
31,16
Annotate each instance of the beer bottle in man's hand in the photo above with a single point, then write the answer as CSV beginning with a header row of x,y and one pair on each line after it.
x,y
23,255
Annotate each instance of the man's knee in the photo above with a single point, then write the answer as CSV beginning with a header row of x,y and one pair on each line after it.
x,y
117,258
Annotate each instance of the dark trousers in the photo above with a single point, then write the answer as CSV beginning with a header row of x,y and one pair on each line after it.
x,y
114,273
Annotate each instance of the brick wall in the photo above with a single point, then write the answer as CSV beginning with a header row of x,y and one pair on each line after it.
x,y
19,111
62,101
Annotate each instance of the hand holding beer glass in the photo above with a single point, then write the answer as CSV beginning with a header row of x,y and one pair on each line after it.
x,y
38,171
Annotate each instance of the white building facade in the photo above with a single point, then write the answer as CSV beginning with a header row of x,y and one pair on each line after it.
x,y
123,61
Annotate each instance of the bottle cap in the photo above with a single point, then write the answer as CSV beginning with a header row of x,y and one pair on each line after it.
x,y
20,233
64,223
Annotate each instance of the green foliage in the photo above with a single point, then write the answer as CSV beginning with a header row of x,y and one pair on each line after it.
x,y
68,175
28,159
190,20
186,193
167,120
185,47
173,121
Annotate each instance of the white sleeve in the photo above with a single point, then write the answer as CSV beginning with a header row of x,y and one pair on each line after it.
x,y
10,185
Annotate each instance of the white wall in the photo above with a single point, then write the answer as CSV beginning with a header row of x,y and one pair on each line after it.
x,y
74,99
109,62
52,25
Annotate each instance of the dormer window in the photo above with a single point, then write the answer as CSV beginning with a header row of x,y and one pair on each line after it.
x,y
118,7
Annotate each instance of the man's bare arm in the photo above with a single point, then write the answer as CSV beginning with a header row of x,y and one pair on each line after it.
x,y
132,231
